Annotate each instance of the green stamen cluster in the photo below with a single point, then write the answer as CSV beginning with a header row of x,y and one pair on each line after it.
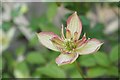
x,y
69,45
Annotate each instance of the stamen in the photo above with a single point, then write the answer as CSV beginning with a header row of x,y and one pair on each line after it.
x,y
75,36
68,34
70,46
62,32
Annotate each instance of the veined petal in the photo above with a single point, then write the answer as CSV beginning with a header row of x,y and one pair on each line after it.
x,y
82,41
57,42
65,58
89,46
44,38
74,24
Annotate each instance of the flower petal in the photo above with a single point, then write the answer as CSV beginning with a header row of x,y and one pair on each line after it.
x,y
44,38
58,42
89,46
82,41
65,58
74,24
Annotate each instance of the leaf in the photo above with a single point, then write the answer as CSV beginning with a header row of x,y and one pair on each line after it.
x,y
6,26
15,12
36,74
52,70
20,50
96,72
113,71
68,67
114,54
87,61
35,58
21,70
85,21
52,55
33,41
49,27
98,30
1,63
52,10
5,75
75,74
101,59
9,59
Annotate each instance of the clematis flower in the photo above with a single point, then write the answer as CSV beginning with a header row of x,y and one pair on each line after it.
x,y
69,45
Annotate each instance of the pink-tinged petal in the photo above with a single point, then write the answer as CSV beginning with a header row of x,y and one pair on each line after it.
x,y
82,41
66,58
74,24
58,42
90,46
45,39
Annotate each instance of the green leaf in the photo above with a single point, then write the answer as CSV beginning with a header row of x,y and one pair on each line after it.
x,y
52,10
49,27
35,58
85,21
68,67
75,74
101,59
113,71
5,75
114,54
20,50
21,70
52,55
6,26
36,74
52,70
87,60
9,59
96,72
98,30
1,63
15,12
33,41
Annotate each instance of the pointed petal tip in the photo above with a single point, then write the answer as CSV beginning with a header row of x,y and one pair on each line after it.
x,y
84,35
75,12
74,24
100,42
91,46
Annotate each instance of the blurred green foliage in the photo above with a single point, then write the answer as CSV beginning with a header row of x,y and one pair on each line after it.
x,y
29,60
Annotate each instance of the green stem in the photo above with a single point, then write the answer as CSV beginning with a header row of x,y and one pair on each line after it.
x,y
79,69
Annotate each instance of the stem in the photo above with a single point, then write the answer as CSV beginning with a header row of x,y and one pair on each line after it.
x,y
79,69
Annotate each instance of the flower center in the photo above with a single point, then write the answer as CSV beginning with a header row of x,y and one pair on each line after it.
x,y
69,45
